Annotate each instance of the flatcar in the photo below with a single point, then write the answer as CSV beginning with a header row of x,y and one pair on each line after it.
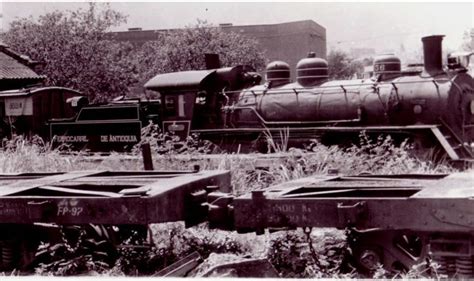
x,y
397,221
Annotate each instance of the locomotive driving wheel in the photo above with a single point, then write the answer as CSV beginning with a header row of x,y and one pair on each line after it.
x,y
397,251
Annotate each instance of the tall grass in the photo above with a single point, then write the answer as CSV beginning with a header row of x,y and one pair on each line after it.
x,y
277,143
249,171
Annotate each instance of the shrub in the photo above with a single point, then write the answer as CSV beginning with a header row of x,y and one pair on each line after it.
x,y
298,254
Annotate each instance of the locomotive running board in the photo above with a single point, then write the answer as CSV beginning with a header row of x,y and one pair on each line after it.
x,y
318,129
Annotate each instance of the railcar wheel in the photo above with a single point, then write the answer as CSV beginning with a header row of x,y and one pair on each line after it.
x,y
396,251
65,244
18,245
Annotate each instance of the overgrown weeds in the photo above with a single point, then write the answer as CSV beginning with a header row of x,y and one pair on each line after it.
x,y
164,143
309,254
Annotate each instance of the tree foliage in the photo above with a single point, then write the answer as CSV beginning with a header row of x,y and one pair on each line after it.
x,y
468,40
341,66
184,49
75,50
78,53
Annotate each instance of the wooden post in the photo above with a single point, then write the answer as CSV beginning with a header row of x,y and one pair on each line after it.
x,y
146,154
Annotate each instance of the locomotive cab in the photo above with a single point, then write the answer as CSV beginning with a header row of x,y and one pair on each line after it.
x,y
194,99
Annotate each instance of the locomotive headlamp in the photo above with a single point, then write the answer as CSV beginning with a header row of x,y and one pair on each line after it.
x,y
459,60
417,109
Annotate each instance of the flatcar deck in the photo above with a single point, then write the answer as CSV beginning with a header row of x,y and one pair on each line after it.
x,y
102,197
417,202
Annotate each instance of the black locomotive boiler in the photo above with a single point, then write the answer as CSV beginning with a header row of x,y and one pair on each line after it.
x,y
435,106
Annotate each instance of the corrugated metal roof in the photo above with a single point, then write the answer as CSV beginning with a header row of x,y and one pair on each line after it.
x,y
33,90
10,68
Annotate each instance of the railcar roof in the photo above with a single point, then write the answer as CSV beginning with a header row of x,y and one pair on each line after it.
x,y
29,91
178,80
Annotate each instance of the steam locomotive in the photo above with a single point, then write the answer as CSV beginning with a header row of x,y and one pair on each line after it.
x,y
230,107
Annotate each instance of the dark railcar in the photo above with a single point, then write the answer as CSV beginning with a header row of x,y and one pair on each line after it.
x,y
109,127
27,111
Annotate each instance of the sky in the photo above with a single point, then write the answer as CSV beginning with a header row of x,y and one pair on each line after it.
x,y
382,26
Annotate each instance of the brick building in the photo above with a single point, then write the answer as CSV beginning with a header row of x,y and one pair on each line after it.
x,y
289,41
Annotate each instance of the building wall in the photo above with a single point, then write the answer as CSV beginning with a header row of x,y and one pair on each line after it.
x,y
288,42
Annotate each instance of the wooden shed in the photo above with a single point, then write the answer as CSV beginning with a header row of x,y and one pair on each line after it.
x,y
27,111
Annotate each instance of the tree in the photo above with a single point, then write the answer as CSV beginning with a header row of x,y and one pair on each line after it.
x,y
341,66
76,51
184,49
468,40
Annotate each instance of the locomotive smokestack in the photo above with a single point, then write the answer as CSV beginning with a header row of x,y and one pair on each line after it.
x,y
432,53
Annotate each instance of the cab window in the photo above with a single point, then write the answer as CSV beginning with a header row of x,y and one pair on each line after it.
x,y
170,105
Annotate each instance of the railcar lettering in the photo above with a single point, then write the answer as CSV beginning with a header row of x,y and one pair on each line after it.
x,y
293,218
69,211
10,212
16,105
284,208
71,139
305,209
11,209
379,67
122,138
